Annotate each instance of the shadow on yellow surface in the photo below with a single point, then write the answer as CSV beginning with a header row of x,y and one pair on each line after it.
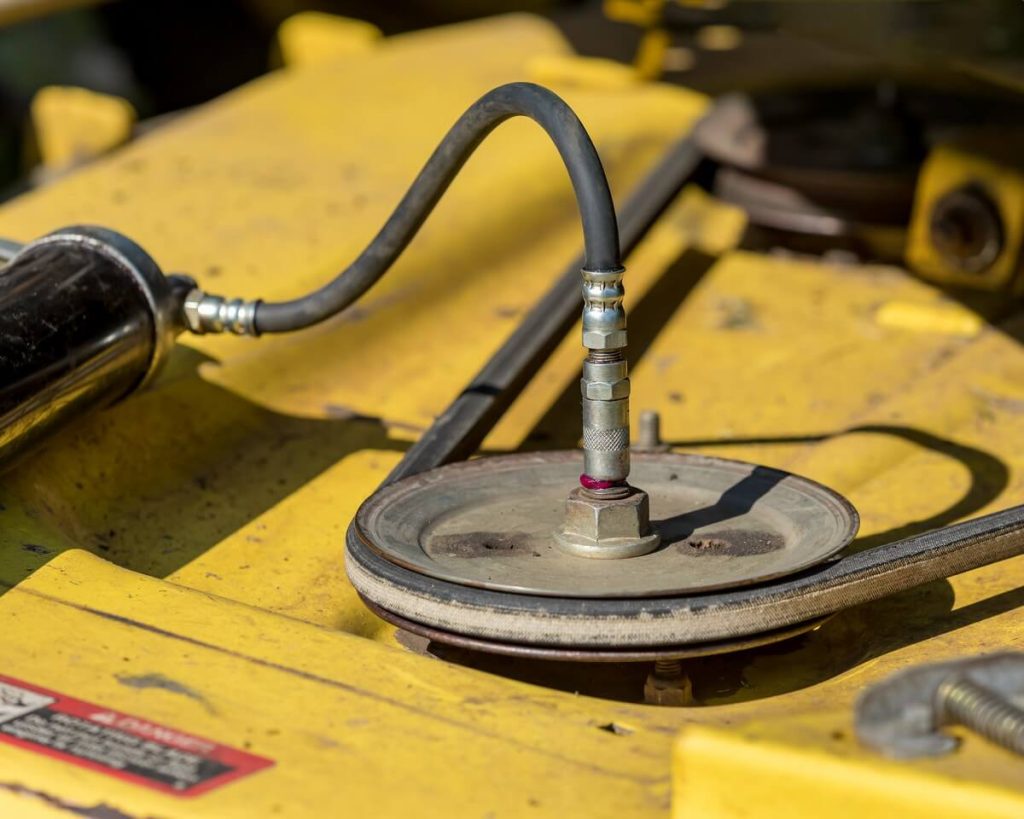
x,y
153,483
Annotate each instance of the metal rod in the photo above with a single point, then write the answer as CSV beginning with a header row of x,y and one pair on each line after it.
x,y
962,701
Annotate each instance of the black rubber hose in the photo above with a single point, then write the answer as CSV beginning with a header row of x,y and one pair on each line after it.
x,y
597,212
462,427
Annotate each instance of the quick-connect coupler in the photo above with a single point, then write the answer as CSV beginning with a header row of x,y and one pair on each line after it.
x,y
605,383
605,517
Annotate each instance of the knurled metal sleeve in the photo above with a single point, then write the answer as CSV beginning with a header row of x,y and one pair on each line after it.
x,y
605,440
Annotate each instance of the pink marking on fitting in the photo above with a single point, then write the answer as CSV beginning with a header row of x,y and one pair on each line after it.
x,y
593,483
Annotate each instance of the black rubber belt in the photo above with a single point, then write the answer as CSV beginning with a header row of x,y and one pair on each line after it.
x,y
848,581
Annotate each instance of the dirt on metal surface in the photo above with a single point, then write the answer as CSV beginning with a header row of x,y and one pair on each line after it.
x,y
735,542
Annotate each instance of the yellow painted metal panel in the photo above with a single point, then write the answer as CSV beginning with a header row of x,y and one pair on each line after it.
x,y
355,728
992,164
804,766
234,477
315,37
73,125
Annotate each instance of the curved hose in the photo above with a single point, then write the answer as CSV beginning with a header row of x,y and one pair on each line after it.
x,y
597,212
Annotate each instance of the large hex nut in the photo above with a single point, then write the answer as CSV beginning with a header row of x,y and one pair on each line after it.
x,y
618,527
604,339
605,390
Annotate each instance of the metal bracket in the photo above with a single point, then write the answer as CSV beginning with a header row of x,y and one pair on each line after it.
x,y
903,716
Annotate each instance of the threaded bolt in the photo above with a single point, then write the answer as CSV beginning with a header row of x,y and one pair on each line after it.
x,y
668,669
961,701
650,430
616,492
605,356
668,684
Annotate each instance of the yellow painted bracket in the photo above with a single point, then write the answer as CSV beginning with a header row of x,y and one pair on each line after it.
x,y
312,37
985,163
73,125
590,72
637,12
811,766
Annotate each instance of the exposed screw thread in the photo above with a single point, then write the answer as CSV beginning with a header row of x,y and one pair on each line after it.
x,y
605,356
668,669
964,702
617,492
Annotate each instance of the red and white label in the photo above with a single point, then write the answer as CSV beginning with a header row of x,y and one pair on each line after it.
x,y
120,745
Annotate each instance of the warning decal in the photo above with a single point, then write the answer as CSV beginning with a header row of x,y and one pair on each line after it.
x,y
117,744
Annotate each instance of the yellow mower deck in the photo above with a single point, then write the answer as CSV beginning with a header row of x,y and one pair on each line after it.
x,y
179,556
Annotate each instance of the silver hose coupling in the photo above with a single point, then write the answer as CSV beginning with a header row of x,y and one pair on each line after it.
x,y
205,313
605,384
605,517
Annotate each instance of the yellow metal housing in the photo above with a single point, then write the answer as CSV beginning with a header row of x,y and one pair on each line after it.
x,y
994,166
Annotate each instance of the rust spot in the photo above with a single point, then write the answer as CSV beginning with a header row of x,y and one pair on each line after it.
x,y
733,542
482,544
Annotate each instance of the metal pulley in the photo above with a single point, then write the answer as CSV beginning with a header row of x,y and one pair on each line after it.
x,y
506,555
